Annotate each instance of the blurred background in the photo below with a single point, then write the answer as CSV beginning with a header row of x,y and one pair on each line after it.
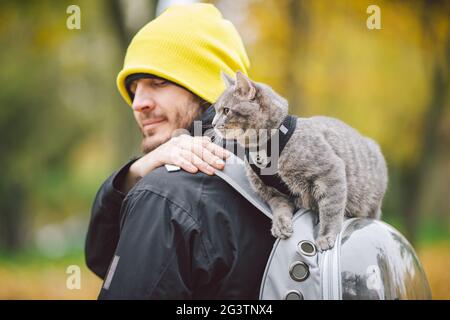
x,y
64,128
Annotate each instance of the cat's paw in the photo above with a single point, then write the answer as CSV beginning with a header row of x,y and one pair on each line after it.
x,y
326,242
282,227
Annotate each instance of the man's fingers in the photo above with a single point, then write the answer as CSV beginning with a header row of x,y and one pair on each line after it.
x,y
200,147
210,158
205,150
213,148
197,162
185,164
218,150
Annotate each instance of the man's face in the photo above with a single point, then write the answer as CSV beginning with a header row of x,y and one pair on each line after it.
x,y
160,107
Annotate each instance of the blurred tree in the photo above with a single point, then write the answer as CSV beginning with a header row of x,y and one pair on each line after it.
x,y
416,177
122,16
55,93
390,84
30,114
126,18
298,22
64,127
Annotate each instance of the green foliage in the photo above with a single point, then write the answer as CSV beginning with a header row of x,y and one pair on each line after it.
x,y
390,84
64,127
58,96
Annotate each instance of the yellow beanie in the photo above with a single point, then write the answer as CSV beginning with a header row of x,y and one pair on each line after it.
x,y
189,45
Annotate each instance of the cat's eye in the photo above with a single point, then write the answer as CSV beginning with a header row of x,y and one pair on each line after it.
x,y
226,110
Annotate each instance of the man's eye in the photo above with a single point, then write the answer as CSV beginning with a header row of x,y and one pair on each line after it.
x,y
160,83
226,110
133,87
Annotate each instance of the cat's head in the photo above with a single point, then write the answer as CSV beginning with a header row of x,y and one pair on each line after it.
x,y
247,106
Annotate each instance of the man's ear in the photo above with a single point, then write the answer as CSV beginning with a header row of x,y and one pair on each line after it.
x,y
228,80
245,88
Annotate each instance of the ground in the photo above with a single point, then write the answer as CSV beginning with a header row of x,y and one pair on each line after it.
x,y
46,278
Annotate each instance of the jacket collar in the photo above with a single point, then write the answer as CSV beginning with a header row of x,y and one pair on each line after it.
x,y
206,119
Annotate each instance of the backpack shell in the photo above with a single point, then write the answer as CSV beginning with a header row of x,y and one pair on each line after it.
x,y
370,259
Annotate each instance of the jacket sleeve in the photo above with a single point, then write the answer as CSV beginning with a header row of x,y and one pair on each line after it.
x,y
104,225
160,254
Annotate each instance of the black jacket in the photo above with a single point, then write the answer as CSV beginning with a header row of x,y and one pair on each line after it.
x,y
177,235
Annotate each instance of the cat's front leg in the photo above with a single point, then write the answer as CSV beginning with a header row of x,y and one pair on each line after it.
x,y
282,211
328,232
282,208
330,192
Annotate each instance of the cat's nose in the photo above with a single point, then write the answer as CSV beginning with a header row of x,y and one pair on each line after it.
x,y
214,121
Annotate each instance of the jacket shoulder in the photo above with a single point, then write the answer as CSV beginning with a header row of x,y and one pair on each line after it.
x,y
182,188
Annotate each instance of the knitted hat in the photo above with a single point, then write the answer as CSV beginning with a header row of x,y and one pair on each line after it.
x,y
188,45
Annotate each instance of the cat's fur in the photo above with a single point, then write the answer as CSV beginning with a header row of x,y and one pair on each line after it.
x,y
327,165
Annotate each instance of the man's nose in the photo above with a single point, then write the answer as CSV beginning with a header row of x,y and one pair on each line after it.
x,y
143,99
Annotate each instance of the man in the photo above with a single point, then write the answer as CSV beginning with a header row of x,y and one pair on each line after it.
x,y
156,234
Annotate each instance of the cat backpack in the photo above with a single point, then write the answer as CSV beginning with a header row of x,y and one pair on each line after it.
x,y
370,259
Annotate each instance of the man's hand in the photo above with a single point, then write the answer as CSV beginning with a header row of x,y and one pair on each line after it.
x,y
189,153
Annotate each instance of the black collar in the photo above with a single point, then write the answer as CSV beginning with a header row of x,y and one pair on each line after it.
x,y
284,133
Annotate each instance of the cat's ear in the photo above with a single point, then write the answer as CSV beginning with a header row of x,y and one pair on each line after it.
x,y
245,88
228,80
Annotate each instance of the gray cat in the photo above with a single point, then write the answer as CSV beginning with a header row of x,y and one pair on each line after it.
x,y
327,165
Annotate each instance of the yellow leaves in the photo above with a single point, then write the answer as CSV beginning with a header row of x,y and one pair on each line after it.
x,y
379,81
436,263
47,281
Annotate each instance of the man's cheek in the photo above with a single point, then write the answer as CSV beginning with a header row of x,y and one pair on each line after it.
x,y
175,119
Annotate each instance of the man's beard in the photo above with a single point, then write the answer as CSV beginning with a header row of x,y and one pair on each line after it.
x,y
184,121
148,145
